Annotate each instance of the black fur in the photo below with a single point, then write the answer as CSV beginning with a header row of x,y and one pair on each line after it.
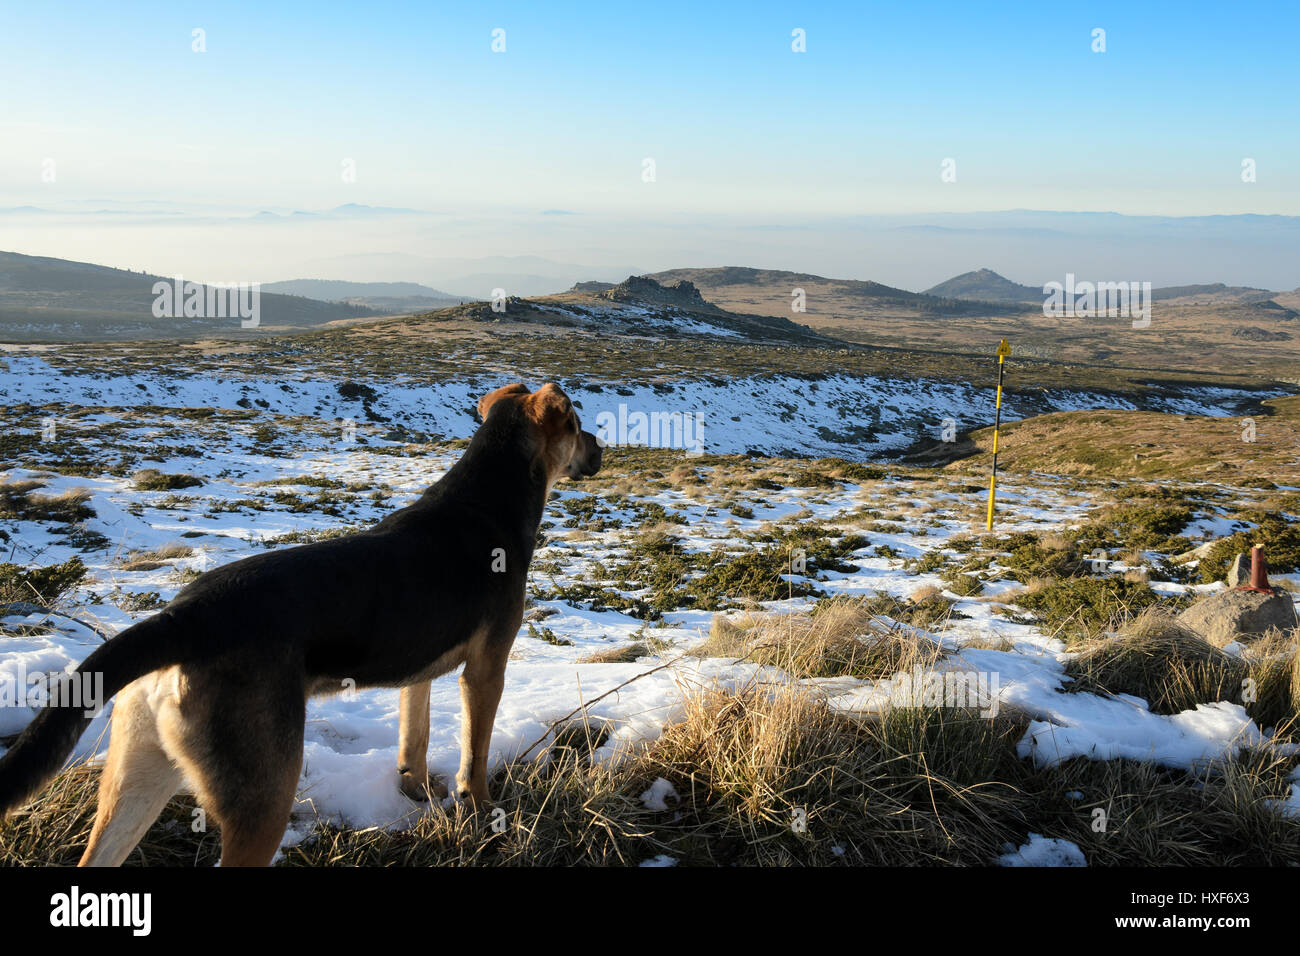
x,y
376,608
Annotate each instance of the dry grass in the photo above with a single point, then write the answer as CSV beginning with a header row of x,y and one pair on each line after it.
x,y
845,637
151,479
1101,443
1054,541
990,642
54,830
773,777
927,592
761,778
18,499
616,655
157,558
1274,674
1158,659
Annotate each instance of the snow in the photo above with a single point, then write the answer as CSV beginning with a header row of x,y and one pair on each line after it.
x,y
1043,851
1125,728
657,797
773,414
349,769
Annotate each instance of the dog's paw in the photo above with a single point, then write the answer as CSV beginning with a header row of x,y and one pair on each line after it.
x,y
421,791
477,803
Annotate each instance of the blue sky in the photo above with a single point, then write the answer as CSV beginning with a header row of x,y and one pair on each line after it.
x,y
742,130
734,120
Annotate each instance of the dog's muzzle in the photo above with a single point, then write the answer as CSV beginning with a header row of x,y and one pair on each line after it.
x,y
587,462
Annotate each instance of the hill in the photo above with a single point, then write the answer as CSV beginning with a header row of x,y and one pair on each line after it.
x,y
1215,290
774,292
985,285
386,297
1192,332
637,307
46,299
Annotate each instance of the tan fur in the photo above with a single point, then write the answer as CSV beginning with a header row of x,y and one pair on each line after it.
x,y
481,684
152,752
552,414
555,438
138,776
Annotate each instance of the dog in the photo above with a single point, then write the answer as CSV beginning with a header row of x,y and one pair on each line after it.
x,y
214,687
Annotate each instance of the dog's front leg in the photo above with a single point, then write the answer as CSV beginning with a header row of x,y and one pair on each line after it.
x,y
413,745
481,684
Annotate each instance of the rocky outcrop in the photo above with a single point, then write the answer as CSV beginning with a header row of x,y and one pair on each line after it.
x,y
640,290
1240,615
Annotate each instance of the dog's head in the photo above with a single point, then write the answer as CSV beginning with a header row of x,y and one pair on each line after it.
x,y
559,441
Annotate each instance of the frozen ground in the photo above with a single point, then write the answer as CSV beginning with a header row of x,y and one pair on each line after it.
x,y
259,492
853,417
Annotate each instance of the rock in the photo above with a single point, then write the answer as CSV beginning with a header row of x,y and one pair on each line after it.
x,y
1239,573
1227,616
1252,333
1198,552
646,291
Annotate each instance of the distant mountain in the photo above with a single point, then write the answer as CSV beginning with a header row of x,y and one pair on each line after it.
x,y
771,291
985,285
1216,290
349,210
469,278
46,299
386,297
480,285
332,290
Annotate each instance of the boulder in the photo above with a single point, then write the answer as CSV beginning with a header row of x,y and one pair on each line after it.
x,y
1234,615
1198,552
1239,573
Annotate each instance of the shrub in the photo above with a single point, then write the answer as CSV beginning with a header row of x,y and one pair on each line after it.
x,y
42,586
1080,607
151,479
1280,538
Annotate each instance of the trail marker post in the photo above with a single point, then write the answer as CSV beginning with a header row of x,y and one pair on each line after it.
x,y
1003,351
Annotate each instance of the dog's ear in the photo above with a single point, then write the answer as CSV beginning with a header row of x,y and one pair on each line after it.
x,y
548,405
491,398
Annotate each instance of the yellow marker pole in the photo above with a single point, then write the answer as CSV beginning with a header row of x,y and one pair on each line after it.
x,y
1003,351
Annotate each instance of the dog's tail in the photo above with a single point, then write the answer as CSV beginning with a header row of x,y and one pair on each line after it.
x,y
38,754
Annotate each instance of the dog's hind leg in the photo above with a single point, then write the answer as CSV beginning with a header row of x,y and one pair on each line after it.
x,y
252,830
481,684
241,745
137,780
